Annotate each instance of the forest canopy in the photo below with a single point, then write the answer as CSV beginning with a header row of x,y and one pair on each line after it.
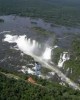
x,y
63,12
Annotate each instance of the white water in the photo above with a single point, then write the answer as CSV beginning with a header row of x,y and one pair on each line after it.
x,y
47,54
3,32
63,57
10,38
24,69
27,48
23,43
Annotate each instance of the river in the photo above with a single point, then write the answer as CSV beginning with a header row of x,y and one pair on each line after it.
x,y
23,25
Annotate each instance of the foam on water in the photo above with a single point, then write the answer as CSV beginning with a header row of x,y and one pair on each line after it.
x,y
47,54
27,46
63,57
10,38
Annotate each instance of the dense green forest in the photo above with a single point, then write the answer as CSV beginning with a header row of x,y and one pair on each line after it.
x,y
63,12
74,62
11,89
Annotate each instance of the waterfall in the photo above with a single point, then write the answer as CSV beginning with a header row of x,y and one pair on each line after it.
x,y
30,46
29,41
47,54
33,43
63,57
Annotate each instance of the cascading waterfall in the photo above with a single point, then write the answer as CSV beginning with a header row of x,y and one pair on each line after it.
x,y
29,41
63,57
34,43
27,47
47,54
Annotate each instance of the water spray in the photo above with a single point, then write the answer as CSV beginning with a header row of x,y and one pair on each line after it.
x,y
27,47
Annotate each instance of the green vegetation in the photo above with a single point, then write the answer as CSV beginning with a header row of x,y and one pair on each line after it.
x,y
74,62
56,55
45,70
63,12
41,31
11,89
